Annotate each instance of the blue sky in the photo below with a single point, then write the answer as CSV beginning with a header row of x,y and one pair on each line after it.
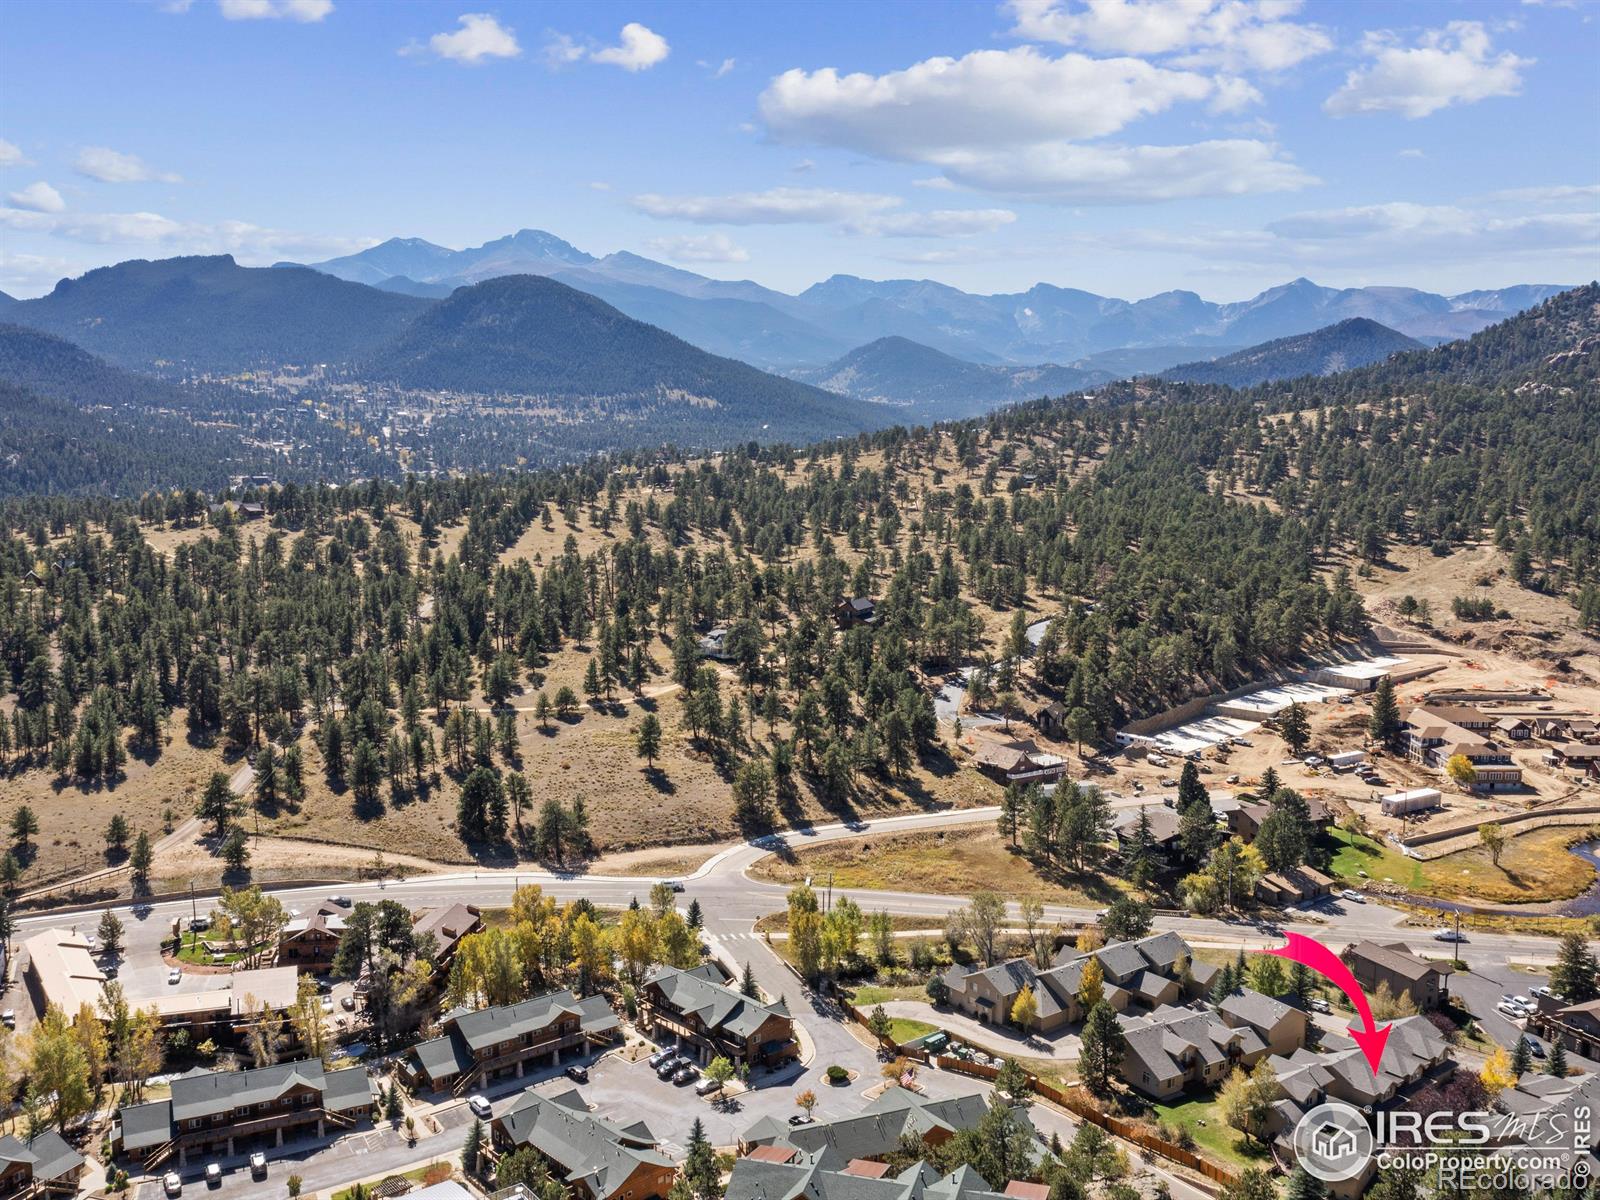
x,y
1123,146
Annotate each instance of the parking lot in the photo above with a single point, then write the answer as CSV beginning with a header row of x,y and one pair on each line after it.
x,y
624,1091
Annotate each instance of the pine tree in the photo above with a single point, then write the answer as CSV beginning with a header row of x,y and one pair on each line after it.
x,y
1102,1048
1304,1186
1573,977
1556,1064
700,1165
1521,1058
472,1150
140,859
1383,725
1295,728
747,984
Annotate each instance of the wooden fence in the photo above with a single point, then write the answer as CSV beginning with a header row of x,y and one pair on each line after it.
x,y
1068,1098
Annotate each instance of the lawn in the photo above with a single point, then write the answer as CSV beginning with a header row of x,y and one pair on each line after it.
x,y
904,1029
1355,854
958,862
869,994
417,1175
1212,1135
192,950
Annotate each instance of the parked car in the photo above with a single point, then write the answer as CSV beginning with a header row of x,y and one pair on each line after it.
x,y
661,1056
706,1086
327,1004
9,1018
1318,1004
213,1175
258,1165
172,1183
800,1119
348,1004
666,1069
1352,894
1525,1002
685,1074
578,1073
1507,1009
341,901
480,1106
1312,760
1449,935
175,975
199,924
1535,1047
675,884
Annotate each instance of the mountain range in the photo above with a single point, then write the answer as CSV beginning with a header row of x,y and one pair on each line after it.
x,y
1045,324
209,314
1352,343
526,335
939,387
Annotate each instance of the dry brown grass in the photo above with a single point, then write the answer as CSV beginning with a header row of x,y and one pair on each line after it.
x,y
956,863
1535,866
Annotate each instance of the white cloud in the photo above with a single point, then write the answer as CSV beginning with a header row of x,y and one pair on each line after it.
x,y
10,154
599,185
38,197
775,206
701,247
984,99
240,238
940,223
1008,121
1380,239
560,50
937,183
1585,195
304,11
854,212
1411,152
112,166
639,50
34,274
1235,35
1453,65
718,70
1110,174
1233,94
480,37
727,65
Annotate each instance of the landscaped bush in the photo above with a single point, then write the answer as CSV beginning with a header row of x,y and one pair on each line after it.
x,y
837,1074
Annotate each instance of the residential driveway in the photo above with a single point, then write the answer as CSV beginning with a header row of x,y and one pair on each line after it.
x,y
993,1038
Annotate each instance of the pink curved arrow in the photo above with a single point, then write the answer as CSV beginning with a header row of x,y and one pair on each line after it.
x,y
1311,953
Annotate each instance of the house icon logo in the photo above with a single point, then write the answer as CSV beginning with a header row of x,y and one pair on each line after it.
x,y
1333,1142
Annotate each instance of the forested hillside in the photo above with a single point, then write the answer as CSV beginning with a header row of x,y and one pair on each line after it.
x,y
932,386
1341,347
209,314
412,652
525,335
70,423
